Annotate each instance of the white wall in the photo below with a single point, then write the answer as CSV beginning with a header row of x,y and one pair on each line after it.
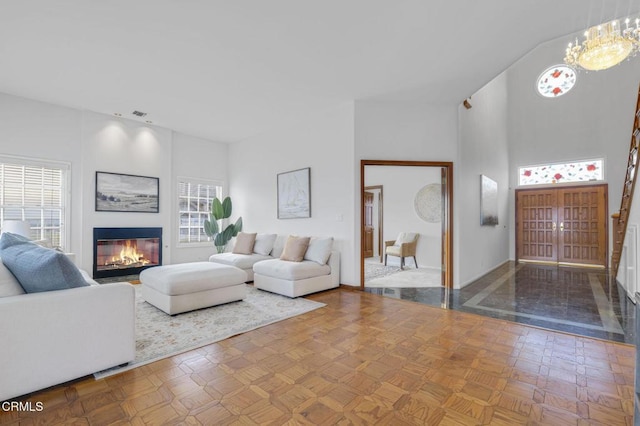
x,y
400,185
484,148
325,144
96,142
411,131
594,120
44,131
111,144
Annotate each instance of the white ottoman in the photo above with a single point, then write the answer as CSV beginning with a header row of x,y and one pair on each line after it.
x,y
187,286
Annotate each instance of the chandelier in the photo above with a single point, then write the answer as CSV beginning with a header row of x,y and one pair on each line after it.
x,y
605,45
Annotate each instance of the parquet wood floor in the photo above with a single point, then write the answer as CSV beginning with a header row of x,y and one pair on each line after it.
x,y
364,359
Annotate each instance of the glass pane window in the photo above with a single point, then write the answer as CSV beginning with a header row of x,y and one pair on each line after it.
x,y
194,204
579,171
35,191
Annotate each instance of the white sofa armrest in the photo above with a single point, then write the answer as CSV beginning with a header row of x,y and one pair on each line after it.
x,y
334,264
56,336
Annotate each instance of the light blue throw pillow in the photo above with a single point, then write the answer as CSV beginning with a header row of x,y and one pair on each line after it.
x,y
38,268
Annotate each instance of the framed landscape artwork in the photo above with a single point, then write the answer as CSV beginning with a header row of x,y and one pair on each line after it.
x,y
294,194
127,193
488,201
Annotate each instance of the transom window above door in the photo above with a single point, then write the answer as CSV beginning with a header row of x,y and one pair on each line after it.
x,y
578,171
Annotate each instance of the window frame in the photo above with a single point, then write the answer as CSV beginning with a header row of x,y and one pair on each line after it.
x,y
192,181
65,193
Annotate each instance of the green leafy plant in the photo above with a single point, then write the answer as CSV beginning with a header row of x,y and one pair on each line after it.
x,y
220,211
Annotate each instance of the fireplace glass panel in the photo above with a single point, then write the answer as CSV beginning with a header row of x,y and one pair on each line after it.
x,y
119,254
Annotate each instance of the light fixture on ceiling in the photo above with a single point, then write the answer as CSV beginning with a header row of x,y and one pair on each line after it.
x,y
605,45
117,114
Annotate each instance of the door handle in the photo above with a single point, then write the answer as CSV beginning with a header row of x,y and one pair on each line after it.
x,y
561,226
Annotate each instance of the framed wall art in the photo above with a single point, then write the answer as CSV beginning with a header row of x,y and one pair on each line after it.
x,y
117,192
488,201
294,194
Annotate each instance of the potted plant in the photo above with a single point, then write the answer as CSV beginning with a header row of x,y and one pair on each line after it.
x,y
220,211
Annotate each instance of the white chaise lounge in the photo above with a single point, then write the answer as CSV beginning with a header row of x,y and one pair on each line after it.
x,y
248,250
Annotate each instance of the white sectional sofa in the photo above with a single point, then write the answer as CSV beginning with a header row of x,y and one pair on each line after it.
x,y
265,247
52,337
241,261
268,272
295,279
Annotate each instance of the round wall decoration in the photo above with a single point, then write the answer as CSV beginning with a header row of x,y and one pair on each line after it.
x,y
428,203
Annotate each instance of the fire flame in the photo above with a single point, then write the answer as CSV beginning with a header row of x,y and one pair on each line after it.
x,y
129,255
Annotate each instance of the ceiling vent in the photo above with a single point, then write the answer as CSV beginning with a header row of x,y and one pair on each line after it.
x,y
139,113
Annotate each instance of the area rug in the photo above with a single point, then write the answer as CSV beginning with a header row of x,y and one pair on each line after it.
x,y
378,270
412,278
159,335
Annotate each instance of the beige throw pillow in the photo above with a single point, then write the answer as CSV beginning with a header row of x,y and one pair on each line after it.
x,y
244,243
295,248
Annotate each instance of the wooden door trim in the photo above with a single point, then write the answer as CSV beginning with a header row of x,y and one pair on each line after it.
x,y
380,214
447,222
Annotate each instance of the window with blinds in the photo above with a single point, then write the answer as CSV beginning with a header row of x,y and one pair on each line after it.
x,y
194,204
36,192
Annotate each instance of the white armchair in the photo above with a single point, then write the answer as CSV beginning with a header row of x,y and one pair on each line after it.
x,y
403,246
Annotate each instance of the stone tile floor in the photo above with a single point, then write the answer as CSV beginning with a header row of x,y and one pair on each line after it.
x,y
582,301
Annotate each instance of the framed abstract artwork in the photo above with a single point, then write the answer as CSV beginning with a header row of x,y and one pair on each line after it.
x,y
488,201
116,192
294,194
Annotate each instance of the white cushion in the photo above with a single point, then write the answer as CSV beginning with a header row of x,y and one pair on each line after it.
x,y
187,278
319,250
264,244
278,245
88,278
405,237
242,261
9,285
285,270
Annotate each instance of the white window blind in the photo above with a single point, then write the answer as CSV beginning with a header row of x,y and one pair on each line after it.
x,y
194,204
35,191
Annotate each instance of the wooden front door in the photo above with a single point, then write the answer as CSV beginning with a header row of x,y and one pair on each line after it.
x,y
565,225
368,225
536,214
582,224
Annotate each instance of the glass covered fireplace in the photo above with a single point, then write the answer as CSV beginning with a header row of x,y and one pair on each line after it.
x,y
125,251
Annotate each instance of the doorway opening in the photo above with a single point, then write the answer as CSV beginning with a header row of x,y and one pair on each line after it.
x,y
372,240
373,222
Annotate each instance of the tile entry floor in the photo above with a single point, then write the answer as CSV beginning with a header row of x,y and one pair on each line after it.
x,y
582,301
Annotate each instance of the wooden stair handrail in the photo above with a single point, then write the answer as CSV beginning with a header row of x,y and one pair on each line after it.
x,y
621,218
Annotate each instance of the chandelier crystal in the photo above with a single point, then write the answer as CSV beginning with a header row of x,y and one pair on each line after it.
x,y
605,45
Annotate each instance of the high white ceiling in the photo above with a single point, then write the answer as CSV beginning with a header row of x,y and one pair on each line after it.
x,y
226,70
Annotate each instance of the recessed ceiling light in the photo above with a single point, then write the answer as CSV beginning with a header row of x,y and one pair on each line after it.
x,y
556,81
117,114
149,121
